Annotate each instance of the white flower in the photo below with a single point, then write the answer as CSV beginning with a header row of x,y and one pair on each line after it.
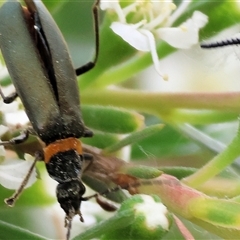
x,y
13,171
155,212
6,108
3,130
141,23
186,35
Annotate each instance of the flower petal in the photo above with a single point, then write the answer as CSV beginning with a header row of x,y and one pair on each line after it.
x,y
130,34
177,37
109,5
199,19
186,35
104,5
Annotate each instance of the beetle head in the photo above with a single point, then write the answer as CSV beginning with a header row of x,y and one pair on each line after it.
x,y
69,195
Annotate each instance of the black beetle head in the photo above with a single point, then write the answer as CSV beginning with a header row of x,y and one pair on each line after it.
x,y
69,195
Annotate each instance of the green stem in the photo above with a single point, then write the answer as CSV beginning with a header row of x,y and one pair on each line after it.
x,y
200,137
202,116
216,165
161,103
134,137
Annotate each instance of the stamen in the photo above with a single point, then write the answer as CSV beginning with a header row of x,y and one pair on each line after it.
x,y
179,11
153,50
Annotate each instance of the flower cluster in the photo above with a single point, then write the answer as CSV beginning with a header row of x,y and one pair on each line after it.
x,y
142,23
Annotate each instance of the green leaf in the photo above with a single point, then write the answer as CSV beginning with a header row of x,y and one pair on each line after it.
x,y
119,220
101,139
134,137
8,231
143,172
111,119
219,212
178,171
131,222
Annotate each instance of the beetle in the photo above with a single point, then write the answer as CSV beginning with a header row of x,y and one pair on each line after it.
x,y
42,72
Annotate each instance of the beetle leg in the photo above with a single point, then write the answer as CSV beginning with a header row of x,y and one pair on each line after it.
x,y
10,98
87,133
17,140
85,68
104,204
87,157
11,201
88,66
31,131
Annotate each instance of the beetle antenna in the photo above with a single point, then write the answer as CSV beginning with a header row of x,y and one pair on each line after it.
x,y
11,201
68,221
96,28
88,66
69,226
229,42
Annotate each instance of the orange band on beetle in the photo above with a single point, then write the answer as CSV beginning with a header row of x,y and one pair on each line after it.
x,y
62,146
